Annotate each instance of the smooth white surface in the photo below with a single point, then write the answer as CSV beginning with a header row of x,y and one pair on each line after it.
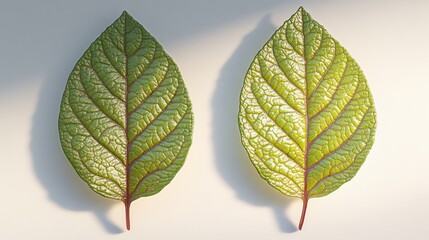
x,y
217,194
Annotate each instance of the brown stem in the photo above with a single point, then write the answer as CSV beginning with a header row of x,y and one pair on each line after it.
x,y
127,214
304,210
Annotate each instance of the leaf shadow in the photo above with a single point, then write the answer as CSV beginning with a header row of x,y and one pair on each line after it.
x,y
232,161
52,168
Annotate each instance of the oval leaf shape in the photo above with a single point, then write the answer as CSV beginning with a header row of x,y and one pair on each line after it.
x,y
307,117
126,122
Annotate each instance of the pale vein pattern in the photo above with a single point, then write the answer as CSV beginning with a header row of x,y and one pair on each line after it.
x,y
307,117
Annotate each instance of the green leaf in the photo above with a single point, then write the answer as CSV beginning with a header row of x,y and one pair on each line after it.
x,y
307,117
126,121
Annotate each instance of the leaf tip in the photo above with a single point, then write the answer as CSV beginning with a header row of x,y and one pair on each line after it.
x,y
301,10
125,14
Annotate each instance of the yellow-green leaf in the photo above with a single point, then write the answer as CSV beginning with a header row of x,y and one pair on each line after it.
x,y
307,117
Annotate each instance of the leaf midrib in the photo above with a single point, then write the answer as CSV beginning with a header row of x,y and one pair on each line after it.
x,y
307,145
307,120
127,199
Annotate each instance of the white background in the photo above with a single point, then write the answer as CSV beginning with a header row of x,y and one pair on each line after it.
x,y
217,194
